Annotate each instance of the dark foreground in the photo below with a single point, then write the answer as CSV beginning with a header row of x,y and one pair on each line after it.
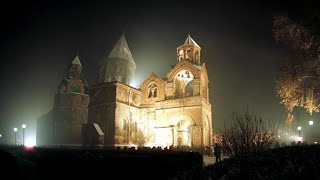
x,y
293,162
286,163
55,163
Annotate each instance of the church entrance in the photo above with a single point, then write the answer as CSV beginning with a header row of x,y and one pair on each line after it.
x,y
183,132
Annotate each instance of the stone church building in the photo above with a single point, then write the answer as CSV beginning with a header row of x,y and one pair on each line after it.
x,y
164,111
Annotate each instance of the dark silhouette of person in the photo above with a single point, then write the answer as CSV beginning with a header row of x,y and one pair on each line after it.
x,y
217,152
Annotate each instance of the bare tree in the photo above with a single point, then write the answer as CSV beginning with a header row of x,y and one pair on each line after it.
x,y
298,84
249,133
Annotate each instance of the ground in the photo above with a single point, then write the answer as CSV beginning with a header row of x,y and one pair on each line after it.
x,y
210,160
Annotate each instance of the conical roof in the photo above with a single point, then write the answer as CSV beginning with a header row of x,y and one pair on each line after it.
x,y
76,61
190,41
121,50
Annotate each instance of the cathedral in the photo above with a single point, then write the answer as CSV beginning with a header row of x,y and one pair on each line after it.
x,y
164,111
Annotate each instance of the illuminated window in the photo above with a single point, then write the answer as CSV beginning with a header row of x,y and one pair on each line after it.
x,y
135,127
180,55
189,54
124,124
152,90
197,56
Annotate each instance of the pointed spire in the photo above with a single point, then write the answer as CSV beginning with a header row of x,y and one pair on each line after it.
x,y
121,50
190,41
76,61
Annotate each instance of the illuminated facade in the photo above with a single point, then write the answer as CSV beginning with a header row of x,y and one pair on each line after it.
x,y
174,110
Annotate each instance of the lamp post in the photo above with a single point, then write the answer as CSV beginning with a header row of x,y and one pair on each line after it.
x,y
15,135
310,122
311,135
23,127
299,129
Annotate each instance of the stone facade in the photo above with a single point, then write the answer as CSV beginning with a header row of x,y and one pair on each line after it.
x,y
174,110
63,124
164,111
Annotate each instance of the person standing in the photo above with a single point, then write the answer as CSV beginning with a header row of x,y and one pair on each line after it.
x,y
217,152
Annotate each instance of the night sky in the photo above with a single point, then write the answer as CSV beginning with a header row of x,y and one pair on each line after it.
x,y
39,39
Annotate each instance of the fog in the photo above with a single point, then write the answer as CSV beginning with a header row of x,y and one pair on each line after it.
x,y
41,39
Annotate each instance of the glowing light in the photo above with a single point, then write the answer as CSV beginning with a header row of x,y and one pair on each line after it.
x,y
29,148
278,136
24,126
299,128
310,123
15,129
135,83
315,142
0,135
30,142
163,136
298,138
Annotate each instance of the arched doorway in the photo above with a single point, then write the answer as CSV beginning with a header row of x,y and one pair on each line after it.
x,y
197,140
184,133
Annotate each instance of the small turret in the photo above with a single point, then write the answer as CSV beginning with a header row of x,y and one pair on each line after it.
x,y
72,81
75,68
189,51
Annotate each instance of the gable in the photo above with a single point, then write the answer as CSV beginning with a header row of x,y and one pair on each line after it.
x,y
152,89
183,65
152,77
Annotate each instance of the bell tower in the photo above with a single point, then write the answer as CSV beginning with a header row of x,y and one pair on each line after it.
x,y
74,69
189,51
70,109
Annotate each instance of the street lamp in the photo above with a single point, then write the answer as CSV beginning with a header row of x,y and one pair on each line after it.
x,y
299,129
15,135
23,127
310,123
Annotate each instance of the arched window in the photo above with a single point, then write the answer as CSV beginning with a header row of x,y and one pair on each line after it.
x,y
152,90
183,83
180,55
124,124
196,55
189,54
75,88
135,127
